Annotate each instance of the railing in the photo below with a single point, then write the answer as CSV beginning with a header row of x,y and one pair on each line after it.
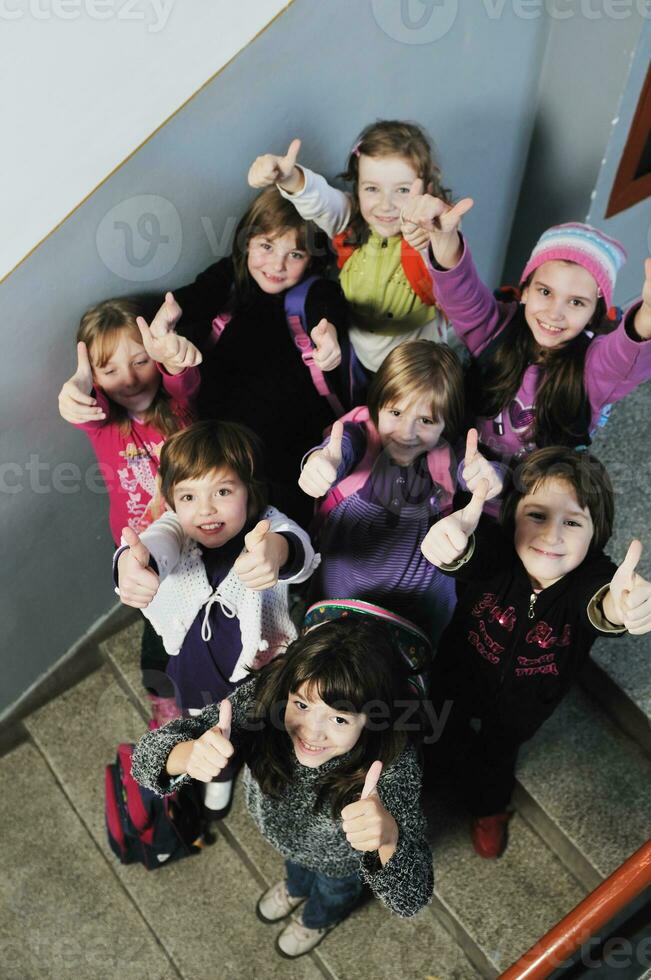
x,y
584,921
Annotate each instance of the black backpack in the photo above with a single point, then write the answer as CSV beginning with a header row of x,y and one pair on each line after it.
x,y
144,827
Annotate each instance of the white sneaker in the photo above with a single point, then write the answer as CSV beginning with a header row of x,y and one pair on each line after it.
x,y
296,939
276,903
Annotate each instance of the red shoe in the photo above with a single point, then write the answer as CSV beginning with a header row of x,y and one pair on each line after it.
x,y
489,834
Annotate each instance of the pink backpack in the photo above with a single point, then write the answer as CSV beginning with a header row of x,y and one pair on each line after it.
x,y
440,463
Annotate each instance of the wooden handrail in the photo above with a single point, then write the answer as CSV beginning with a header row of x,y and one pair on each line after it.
x,y
598,908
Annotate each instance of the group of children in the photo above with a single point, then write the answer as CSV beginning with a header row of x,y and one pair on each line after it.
x,y
265,386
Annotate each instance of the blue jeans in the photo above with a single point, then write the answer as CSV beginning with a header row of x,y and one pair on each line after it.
x,y
329,900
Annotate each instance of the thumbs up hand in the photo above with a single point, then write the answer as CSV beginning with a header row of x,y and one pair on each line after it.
x,y
476,468
282,170
174,352
440,220
138,584
166,318
628,601
320,471
367,824
327,354
447,540
411,231
642,321
206,756
76,404
266,552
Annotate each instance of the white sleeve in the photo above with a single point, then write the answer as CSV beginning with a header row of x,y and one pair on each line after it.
x,y
326,206
279,523
164,540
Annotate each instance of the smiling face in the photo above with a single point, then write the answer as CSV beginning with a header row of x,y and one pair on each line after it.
x,y
318,732
276,263
211,508
552,532
407,429
559,302
129,378
383,186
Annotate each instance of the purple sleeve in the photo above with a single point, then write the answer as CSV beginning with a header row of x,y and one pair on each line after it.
x,y
616,363
471,307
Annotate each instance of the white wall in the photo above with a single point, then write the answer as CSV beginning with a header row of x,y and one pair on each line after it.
x,y
91,80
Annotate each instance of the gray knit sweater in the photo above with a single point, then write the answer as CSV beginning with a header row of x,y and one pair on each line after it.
x,y
313,840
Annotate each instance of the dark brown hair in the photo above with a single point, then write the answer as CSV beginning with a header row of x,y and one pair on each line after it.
x,y
100,329
580,470
351,665
560,398
391,138
272,215
207,446
421,368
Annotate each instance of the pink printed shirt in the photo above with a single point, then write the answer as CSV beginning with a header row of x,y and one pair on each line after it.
x,y
129,463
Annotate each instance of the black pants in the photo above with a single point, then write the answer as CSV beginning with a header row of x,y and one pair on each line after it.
x,y
153,663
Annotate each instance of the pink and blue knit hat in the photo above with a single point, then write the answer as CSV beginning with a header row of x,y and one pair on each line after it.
x,y
601,255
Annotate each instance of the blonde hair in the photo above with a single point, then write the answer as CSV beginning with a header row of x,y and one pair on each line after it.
x,y
207,446
388,138
100,329
421,368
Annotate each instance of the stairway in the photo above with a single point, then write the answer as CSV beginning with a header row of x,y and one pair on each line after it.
x,y
584,804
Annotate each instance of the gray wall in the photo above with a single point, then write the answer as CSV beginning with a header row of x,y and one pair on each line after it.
x,y
321,71
585,69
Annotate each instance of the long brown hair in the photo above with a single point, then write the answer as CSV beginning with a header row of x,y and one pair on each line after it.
x,y
100,329
272,215
391,138
347,662
560,398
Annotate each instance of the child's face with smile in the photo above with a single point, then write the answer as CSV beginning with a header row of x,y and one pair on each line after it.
x,y
129,378
318,732
383,186
276,263
559,302
211,508
407,429
552,532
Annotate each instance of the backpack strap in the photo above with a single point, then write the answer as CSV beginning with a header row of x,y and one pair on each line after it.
x,y
415,270
297,322
219,324
343,249
355,480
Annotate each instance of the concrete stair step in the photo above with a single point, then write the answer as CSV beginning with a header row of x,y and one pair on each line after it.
x,y
201,908
64,913
586,789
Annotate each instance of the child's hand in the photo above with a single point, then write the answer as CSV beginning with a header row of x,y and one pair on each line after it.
x,y
642,321
476,468
628,601
166,318
320,471
368,826
447,540
413,234
266,552
174,352
75,402
327,355
206,756
270,169
137,582
440,220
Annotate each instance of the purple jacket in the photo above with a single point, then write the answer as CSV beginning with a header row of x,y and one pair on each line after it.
x,y
615,363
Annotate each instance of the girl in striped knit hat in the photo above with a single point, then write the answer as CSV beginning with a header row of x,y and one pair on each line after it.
x,y
543,368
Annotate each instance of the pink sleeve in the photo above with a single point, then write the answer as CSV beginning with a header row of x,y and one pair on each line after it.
x,y
183,387
471,307
616,364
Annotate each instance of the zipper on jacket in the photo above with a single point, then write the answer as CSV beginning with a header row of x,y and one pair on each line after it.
x,y
385,243
532,605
